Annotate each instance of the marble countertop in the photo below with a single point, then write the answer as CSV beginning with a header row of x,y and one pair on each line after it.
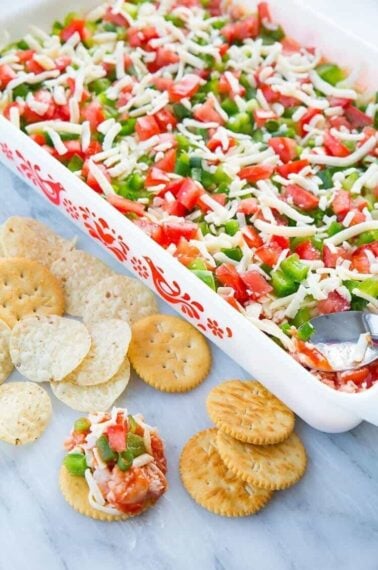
x,y
328,521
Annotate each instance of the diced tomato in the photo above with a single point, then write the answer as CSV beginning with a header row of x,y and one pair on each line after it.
x,y
139,37
174,208
306,250
334,147
237,31
62,62
163,58
230,88
32,66
117,437
115,18
125,205
269,253
74,26
282,241
292,167
341,203
248,206
39,138
300,197
25,54
189,193
163,83
257,172
289,45
215,143
165,119
73,147
357,118
90,179
207,113
339,102
186,253
220,198
156,176
146,127
186,87
334,303
94,113
357,376
305,119
174,231
168,162
229,277
275,97
251,236
151,229
311,356
339,121
358,217
285,147
31,116
173,187
223,49
330,257
360,261
261,117
256,284
229,297
264,12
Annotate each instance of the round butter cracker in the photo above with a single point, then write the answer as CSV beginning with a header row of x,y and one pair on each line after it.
x,y
212,485
249,412
168,353
26,288
46,348
25,411
270,467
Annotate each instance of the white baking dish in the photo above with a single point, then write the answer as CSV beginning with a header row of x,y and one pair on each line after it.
x,y
316,403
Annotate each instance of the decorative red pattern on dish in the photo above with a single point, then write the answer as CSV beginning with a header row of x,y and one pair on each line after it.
x,y
32,172
99,229
6,151
139,267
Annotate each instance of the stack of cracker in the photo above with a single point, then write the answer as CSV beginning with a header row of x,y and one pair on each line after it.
x,y
233,469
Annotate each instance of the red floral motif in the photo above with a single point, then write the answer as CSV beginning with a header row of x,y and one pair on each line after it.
x,y
172,293
99,229
216,329
139,267
71,209
6,151
32,172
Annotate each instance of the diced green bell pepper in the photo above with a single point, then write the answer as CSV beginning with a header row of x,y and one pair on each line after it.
x,y
231,227
335,228
229,106
75,463
183,164
128,127
75,163
303,315
183,142
325,176
241,123
197,264
132,424
305,331
105,451
180,111
234,253
330,72
125,460
82,425
367,237
348,182
204,227
206,276
294,268
282,284
135,444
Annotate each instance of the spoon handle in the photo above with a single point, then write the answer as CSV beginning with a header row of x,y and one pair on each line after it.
x,y
371,322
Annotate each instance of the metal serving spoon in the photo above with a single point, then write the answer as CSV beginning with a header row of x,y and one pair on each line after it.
x,y
337,334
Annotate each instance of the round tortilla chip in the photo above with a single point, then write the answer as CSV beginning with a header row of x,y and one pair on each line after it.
x,y
75,491
169,354
48,348
212,485
93,398
249,412
25,237
270,467
26,288
119,297
6,364
78,271
110,342
25,411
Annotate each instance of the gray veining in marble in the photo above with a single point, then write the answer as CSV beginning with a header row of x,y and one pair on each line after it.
x,y
329,521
